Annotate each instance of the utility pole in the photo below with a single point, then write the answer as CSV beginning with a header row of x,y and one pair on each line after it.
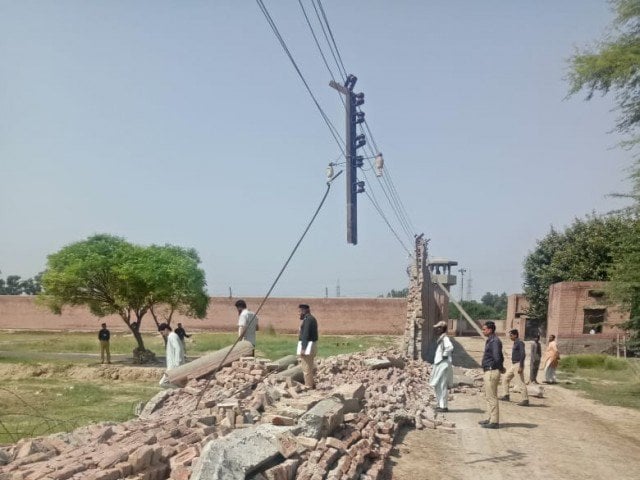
x,y
462,272
469,287
354,161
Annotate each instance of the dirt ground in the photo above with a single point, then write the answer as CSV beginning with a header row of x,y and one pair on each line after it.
x,y
561,436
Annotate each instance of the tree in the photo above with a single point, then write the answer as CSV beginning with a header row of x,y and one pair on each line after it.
x,y
398,293
14,286
497,302
179,283
109,275
613,66
584,251
476,310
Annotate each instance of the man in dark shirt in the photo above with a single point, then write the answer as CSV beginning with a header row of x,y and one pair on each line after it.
x,y
181,333
515,371
307,344
104,336
492,364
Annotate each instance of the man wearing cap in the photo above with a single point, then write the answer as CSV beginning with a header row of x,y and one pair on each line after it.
x,y
442,372
174,353
515,371
307,344
492,364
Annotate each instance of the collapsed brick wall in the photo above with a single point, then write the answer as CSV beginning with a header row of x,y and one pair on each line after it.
x,y
426,306
344,429
414,325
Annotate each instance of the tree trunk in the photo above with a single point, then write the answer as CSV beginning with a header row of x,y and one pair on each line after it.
x,y
140,353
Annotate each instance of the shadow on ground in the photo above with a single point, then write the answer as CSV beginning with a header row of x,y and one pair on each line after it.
x,y
461,358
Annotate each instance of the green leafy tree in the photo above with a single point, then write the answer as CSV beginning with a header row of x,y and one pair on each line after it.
x,y
624,288
12,285
109,275
179,283
398,293
496,301
475,309
613,67
584,251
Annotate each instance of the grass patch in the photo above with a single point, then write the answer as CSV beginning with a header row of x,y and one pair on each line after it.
x,y
39,406
17,346
609,380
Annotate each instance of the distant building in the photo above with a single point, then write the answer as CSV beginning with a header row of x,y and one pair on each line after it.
x,y
575,309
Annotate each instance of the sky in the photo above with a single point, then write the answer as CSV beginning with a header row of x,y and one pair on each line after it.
x,y
185,123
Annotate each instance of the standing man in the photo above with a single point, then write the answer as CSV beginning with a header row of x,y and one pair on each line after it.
x,y
175,352
493,365
551,360
307,344
442,372
104,336
181,333
515,371
247,323
536,355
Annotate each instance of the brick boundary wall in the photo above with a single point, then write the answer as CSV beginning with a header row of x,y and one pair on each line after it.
x,y
335,316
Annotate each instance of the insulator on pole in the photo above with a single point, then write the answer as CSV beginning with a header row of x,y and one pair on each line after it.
x,y
330,171
379,165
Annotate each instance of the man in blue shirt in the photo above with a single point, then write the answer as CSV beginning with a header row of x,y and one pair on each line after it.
x,y
515,371
492,364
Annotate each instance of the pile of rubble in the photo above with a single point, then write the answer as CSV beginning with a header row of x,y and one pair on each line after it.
x,y
254,420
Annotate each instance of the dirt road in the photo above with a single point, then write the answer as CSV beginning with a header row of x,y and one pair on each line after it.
x,y
561,436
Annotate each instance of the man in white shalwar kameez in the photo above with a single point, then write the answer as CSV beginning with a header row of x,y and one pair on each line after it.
x,y
175,352
442,372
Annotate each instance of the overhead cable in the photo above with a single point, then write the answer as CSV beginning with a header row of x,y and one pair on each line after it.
x,y
273,285
395,234
333,40
276,32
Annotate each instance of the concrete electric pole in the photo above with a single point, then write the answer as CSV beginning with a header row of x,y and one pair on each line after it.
x,y
354,161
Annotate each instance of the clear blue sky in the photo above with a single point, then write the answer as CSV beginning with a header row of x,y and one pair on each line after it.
x,y
184,123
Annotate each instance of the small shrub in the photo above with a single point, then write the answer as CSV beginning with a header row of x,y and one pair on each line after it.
x,y
592,361
569,364
612,363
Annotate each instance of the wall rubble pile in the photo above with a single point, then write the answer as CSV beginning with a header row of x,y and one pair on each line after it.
x,y
360,411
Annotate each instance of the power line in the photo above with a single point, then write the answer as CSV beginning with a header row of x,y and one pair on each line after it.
x,y
389,180
273,285
393,204
315,38
336,55
387,222
276,32
344,71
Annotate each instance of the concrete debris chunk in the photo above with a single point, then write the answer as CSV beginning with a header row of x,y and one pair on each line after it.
x,y
323,419
239,454
377,363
